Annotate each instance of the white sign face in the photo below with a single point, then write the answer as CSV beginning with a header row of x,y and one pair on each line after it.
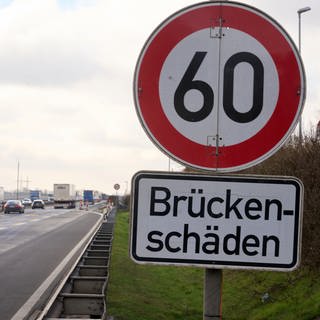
x,y
231,131
219,86
216,221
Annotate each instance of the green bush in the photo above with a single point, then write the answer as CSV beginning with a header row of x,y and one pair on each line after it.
x,y
301,160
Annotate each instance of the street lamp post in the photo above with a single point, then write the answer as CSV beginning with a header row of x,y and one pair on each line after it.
x,y
300,11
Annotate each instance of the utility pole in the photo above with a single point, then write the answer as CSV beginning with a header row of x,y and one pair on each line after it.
x,y
27,182
18,180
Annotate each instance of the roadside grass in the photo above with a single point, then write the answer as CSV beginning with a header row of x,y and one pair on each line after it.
x,y
256,295
148,292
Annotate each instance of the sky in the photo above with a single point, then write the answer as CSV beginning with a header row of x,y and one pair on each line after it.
x,y
66,77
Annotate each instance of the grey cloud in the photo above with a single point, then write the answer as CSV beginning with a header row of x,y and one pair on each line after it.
x,y
46,69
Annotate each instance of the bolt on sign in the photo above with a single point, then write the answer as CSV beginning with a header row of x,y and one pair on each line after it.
x,y
216,221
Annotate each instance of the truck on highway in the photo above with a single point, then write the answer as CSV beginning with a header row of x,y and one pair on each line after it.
x,y
88,196
64,196
35,195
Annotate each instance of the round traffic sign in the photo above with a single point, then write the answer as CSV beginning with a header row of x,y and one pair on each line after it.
x,y
219,86
116,186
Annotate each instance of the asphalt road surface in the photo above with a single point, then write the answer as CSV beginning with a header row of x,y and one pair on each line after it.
x,y
32,245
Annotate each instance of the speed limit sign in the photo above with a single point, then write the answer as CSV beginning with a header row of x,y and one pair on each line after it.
x,y
219,86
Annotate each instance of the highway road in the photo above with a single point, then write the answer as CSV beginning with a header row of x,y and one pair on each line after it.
x,y
32,245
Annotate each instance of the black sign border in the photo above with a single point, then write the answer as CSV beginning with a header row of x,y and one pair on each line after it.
x,y
218,263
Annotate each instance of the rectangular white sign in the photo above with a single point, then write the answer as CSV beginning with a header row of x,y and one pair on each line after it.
x,y
219,221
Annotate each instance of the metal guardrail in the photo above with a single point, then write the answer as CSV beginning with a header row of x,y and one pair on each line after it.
x,y
82,293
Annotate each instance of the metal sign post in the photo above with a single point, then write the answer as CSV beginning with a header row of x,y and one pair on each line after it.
x,y
212,298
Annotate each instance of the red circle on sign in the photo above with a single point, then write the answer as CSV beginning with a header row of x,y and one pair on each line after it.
x,y
259,146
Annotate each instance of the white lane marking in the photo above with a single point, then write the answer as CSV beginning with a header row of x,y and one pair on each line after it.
x,y
19,224
31,302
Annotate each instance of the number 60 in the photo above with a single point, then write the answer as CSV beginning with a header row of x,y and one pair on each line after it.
x,y
187,83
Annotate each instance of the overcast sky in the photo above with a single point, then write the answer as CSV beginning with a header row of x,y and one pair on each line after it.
x,y
66,74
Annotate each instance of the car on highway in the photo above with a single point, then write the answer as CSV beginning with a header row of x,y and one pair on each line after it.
x,y
38,203
26,202
13,206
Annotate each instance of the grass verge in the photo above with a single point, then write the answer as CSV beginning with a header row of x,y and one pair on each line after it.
x,y
148,292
